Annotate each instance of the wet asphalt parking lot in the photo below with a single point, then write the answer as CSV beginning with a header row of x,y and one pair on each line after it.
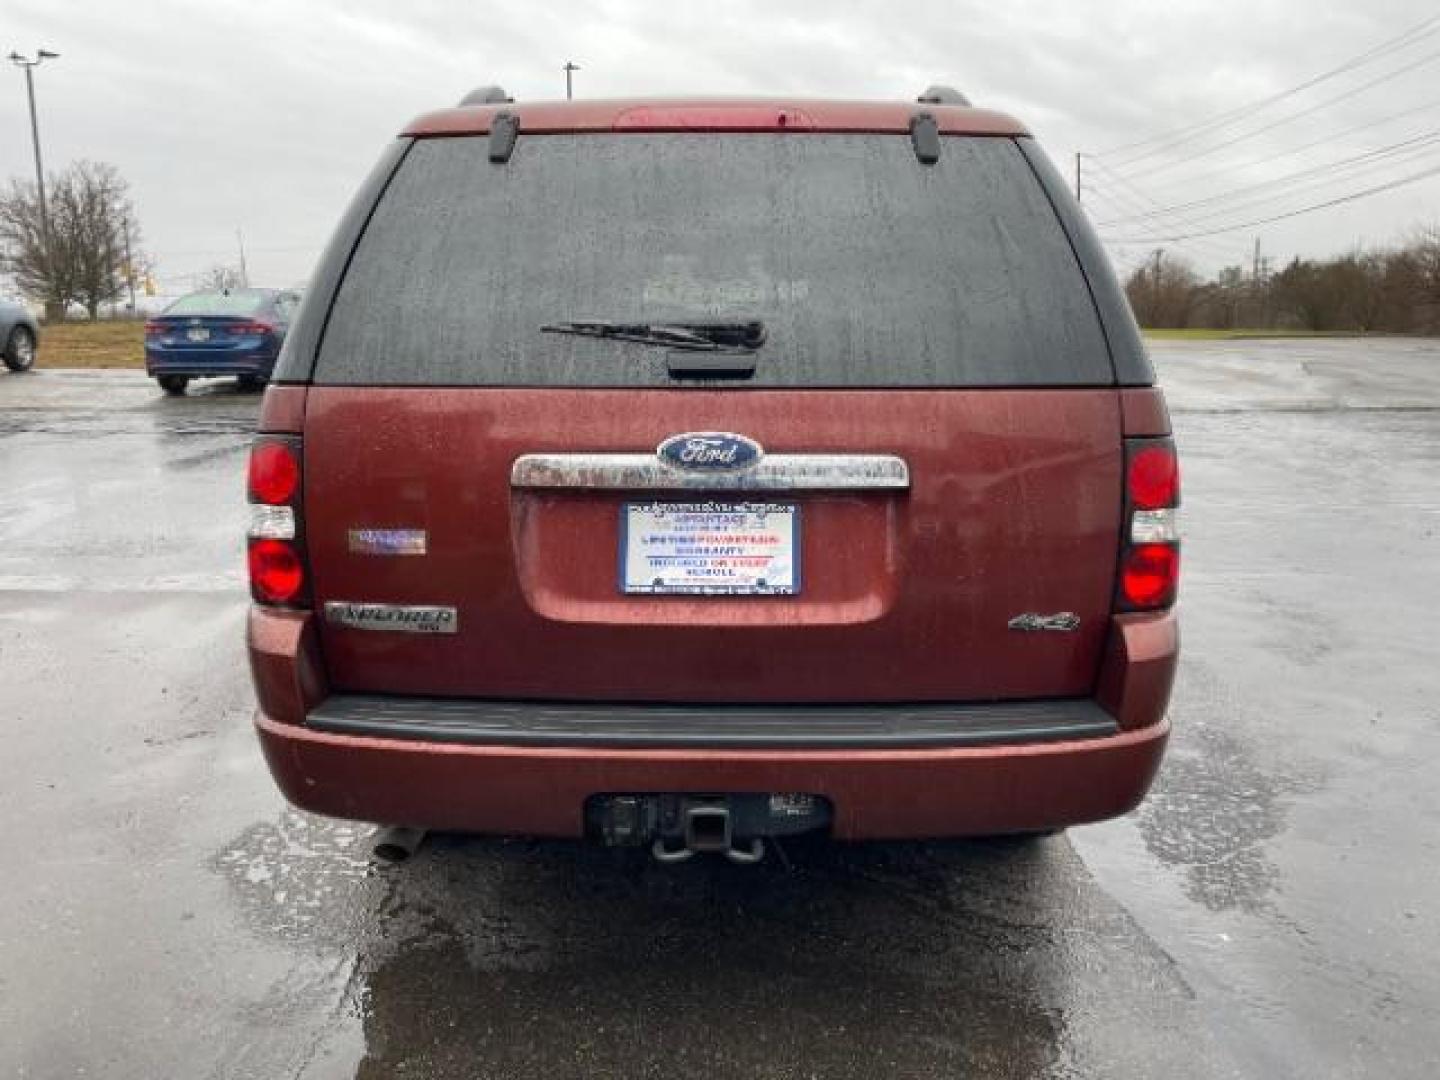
x,y
1273,910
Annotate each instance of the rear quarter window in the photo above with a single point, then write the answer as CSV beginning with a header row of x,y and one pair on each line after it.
x,y
240,302
867,268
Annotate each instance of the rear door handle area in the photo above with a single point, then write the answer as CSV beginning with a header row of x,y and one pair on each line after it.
x,y
774,472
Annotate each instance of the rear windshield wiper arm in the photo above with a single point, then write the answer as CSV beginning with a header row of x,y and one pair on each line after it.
x,y
697,337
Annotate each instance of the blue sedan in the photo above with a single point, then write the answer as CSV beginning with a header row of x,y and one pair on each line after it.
x,y
236,333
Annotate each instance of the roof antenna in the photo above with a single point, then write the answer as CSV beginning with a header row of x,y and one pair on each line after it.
x,y
487,95
942,95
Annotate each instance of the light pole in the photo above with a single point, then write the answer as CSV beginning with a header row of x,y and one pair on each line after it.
x,y
29,65
570,69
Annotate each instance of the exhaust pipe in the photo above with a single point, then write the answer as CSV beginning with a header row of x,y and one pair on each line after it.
x,y
395,843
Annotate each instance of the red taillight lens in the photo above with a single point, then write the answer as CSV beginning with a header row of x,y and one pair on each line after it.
x,y
1149,574
1149,571
1154,478
152,328
274,473
250,329
277,574
277,531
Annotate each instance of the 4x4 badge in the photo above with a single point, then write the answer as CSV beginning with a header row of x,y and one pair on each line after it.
x,y
709,451
1061,620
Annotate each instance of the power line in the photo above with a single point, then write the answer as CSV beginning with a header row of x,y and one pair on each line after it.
x,y
1179,135
1313,186
1210,250
1329,138
1243,136
1416,144
1413,178
1140,197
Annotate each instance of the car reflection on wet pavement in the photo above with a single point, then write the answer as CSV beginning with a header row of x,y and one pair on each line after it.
x,y
1267,913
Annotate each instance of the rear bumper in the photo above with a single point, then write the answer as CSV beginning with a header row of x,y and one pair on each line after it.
x,y
876,794
538,786
214,362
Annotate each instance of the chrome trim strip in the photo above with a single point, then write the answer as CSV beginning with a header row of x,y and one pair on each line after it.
x,y
774,472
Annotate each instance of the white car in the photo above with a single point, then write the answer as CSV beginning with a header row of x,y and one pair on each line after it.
x,y
19,335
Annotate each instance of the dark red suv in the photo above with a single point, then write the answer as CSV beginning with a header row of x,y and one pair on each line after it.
x,y
688,473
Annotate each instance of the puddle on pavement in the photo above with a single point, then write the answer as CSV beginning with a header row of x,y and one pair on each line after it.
x,y
1213,809
526,958
304,880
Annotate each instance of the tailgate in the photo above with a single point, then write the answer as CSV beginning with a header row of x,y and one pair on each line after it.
x,y
902,593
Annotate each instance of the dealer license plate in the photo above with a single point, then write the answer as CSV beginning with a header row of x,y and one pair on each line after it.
x,y
710,548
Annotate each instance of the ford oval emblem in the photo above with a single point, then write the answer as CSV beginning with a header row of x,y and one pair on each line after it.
x,y
709,451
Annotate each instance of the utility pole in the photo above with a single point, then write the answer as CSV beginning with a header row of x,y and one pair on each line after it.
x,y
1255,269
570,69
41,55
129,262
1155,289
1077,175
244,270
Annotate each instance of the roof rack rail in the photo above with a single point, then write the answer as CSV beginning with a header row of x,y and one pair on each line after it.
x,y
487,95
942,95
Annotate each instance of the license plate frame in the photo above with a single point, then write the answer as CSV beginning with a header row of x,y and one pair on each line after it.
x,y
769,530
197,333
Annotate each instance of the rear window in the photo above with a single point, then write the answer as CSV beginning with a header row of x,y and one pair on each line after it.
x,y
866,267
240,302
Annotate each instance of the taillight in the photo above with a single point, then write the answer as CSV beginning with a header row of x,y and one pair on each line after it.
x,y
250,329
1154,477
1149,573
153,328
1149,570
274,473
277,575
276,537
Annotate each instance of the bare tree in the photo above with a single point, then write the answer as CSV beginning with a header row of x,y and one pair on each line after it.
x,y
1367,284
81,257
1423,266
220,279
1163,291
25,255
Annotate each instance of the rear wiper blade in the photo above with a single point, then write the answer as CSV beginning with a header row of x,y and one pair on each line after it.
x,y
697,336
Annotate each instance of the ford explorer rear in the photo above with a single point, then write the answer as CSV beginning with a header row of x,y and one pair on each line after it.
x,y
687,474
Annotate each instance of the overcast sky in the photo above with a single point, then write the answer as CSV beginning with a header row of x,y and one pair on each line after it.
x,y
263,116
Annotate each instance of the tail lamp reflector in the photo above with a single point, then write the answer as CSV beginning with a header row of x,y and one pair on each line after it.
x,y
275,522
1155,526
276,573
